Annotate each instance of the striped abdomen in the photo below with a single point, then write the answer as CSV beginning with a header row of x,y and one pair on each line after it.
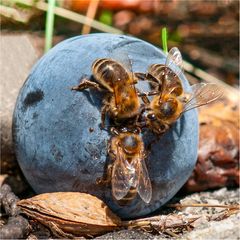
x,y
172,81
156,70
114,77
128,198
109,72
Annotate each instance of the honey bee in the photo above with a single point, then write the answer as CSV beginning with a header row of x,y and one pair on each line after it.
x,y
121,101
128,172
169,100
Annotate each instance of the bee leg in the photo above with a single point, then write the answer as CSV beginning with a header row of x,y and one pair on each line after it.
x,y
103,115
105,108
143,96
151,78
154,82
136,120
106,180
149,146
86,84
139,76
151,93
146,77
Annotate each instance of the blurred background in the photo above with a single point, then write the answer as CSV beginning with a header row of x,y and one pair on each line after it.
x,y
206,32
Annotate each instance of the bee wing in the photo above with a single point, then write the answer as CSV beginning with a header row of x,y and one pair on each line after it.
x,y
121,176
174,58
144,185
122,56
202,93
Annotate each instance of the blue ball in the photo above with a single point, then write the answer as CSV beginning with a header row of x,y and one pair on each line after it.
x,y
58,140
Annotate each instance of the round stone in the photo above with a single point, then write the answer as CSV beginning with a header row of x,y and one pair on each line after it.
x,y
58,140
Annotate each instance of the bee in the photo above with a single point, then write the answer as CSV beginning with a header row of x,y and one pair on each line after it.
x,y
121,101
128,172
169,100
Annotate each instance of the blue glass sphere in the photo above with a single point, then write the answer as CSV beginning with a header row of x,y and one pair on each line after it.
x,y
58,140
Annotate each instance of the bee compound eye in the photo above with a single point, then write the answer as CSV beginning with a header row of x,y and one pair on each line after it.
x,y
137,130
151,117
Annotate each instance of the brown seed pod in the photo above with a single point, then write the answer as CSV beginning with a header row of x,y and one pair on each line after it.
x,y
71,214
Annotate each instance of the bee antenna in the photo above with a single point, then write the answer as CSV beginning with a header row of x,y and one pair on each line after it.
x,y
115,99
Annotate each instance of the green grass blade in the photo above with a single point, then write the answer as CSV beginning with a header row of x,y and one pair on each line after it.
x,y
49,25
106,17
164,40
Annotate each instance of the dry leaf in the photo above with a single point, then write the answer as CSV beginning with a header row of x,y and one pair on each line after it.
x,y
176,221
218,153
71,214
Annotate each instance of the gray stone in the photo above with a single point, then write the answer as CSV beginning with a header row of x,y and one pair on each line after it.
x,y
16,59
226,229
126,234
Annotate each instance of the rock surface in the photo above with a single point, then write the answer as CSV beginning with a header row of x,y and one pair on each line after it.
x,y
225,229
126,234
17,58
228,228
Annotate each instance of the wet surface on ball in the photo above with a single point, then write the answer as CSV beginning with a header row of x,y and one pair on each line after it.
x,y
58,140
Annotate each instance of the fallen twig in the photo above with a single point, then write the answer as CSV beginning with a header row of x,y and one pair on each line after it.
x,y
91,12
177,221
14,14
179,206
